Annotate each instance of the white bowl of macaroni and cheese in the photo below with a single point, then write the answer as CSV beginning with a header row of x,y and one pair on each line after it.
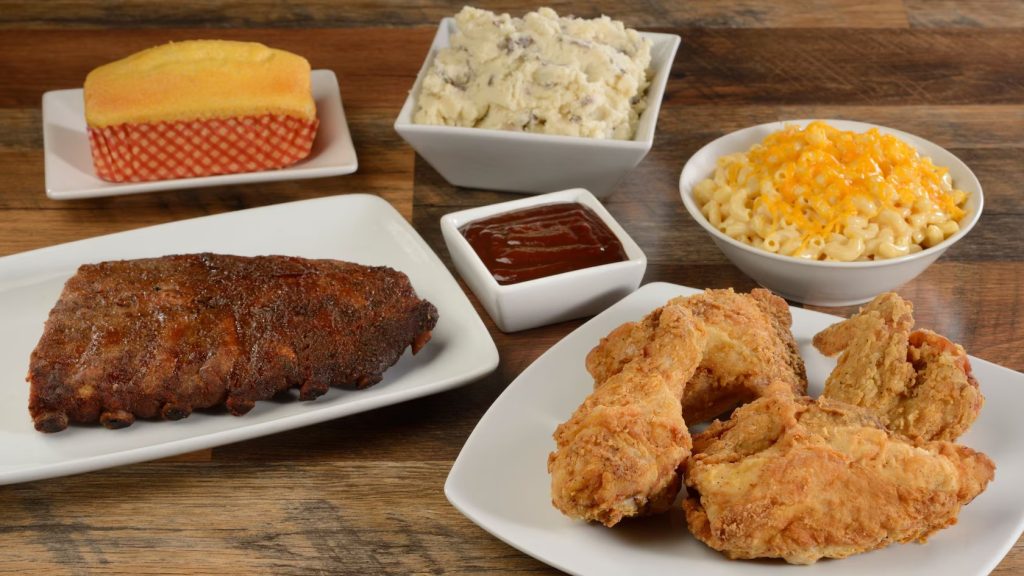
x,y
830,212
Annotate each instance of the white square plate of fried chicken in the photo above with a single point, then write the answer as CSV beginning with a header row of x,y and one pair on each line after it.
x,y
598,459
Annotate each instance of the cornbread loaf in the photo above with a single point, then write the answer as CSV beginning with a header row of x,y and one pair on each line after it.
x,y
199,108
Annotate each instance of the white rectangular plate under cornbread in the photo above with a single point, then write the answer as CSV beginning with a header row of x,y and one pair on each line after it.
x,y
70,174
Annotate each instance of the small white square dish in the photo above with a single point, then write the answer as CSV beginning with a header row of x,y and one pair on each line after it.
x,y
500,479
69,168
358,228
550,299
534,163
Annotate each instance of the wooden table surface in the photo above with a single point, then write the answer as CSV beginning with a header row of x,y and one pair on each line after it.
x,y
363,494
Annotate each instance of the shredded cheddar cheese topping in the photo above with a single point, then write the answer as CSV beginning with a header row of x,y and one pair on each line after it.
x,y
820,170
833,188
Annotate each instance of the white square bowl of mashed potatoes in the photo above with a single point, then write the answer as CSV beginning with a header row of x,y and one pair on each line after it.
x,y
875,209
538,103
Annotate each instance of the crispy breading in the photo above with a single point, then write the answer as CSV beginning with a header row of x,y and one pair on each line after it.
x,y
750,351
620,453
944,399
918,383
800,479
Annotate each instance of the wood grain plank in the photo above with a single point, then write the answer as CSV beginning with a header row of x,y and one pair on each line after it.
x,y
312,14
950,126
866,67
375,66
329,520
22,128
854,67
756,14
364,494
965,13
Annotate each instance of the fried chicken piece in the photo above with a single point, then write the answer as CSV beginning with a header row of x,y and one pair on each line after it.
x,y
750,351
620,453
918,383
872,370
800,479
944,399
160,337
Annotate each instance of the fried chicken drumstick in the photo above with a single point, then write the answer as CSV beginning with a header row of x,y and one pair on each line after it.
x,y
750,351
160,337
800,480
619,454
918,383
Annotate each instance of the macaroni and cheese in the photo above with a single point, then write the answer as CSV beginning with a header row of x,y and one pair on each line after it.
x,y
821,193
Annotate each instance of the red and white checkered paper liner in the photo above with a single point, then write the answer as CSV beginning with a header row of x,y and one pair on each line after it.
x,y
187,149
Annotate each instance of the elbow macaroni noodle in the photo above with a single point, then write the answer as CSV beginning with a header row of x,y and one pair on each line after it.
x,y
826,194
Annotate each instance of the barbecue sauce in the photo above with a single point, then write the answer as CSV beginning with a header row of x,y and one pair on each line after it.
x,y
542,241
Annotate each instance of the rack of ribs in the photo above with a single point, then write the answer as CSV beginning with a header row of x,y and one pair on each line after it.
x,y
161,337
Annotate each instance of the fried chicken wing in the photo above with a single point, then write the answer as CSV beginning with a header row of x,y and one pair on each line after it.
x,y
800,479
750,351
620,453
918,383
944,399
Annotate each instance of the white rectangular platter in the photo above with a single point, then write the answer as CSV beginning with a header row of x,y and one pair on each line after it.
x,y
359,228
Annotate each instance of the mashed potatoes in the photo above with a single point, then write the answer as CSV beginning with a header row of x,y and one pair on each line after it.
x,y
540,73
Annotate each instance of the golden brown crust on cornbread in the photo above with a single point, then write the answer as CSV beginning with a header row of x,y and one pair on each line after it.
x,y
199,80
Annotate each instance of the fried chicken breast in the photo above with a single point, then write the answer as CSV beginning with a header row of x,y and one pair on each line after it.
x,y
918,383
800,479
750,351
620,453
